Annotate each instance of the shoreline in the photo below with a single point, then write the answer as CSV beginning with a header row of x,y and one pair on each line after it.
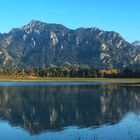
x,y
61,79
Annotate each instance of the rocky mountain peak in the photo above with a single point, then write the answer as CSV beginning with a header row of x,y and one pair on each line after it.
x,y
136,44
34,25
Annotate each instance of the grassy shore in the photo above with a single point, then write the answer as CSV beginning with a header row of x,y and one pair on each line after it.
x,y
60,79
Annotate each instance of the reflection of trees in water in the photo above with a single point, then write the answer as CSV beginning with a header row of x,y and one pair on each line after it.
x,y
40,108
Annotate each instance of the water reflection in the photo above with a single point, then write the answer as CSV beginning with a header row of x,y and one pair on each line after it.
x,y
41,108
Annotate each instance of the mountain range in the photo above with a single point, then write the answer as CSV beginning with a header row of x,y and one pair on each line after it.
x,y
40,44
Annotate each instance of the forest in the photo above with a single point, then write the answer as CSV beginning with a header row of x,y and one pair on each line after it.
x,y
85,72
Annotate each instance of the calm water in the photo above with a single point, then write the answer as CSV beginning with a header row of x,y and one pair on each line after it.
x,y
69,111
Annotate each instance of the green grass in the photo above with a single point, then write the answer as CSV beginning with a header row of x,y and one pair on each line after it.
x,y
60,79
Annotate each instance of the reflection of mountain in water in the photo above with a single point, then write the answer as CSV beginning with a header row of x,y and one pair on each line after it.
x,y
43,108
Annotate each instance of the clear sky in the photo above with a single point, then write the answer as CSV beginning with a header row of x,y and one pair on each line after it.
x,y
122,16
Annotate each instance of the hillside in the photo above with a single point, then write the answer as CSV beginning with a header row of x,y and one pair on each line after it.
x,y
39,44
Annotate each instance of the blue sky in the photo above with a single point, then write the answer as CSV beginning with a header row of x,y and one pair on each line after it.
x,y
122,16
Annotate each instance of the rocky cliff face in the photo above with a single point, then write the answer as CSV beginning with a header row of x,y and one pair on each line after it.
x,y
40,44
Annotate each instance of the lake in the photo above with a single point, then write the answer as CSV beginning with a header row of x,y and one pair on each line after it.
x,y
69,111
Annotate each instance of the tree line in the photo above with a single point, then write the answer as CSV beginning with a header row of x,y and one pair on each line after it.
x,y
86,72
